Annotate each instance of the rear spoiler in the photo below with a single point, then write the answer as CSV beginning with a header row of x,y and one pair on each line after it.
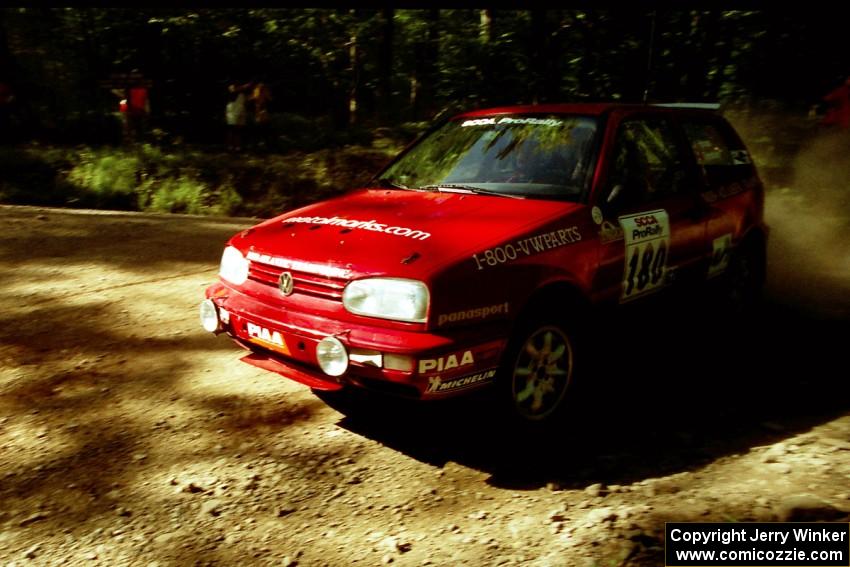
x,y
703,105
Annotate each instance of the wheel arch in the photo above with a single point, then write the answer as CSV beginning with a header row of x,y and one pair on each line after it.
x,y
756,239
755,235
563,297
560,303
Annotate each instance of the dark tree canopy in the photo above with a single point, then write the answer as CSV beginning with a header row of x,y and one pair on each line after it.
x,y
380,66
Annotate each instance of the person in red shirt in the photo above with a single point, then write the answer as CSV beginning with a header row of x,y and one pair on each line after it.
x,y
838,113
134,106
138,107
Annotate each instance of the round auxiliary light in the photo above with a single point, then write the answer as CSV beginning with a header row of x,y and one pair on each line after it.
x,y
332,356
209,316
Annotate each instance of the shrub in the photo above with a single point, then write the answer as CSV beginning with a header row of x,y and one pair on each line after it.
x,y
181,195
183,179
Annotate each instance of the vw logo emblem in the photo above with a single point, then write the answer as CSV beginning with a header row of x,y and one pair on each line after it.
x,y
285,283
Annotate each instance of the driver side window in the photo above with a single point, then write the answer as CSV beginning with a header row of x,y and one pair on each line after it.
x,y
647,164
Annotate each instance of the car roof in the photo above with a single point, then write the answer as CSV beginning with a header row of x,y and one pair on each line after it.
x,y
586,108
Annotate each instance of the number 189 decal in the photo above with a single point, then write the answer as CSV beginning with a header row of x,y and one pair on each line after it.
x,y
647,240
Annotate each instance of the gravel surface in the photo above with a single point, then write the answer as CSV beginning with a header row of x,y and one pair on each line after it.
x,y
131,437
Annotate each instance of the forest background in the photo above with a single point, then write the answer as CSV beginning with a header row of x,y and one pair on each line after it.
x,y
351,87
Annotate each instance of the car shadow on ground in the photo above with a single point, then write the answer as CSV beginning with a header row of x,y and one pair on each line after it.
x,y
669,390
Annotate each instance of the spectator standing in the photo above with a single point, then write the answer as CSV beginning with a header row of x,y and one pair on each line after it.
x,y
838,113
134,104
138,110
261,95
123,106
236,116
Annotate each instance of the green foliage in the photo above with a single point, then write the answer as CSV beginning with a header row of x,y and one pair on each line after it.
x,y
179,195
108,178
362,77
149,178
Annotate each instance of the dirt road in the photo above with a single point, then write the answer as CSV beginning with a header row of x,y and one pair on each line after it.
x,y
130,437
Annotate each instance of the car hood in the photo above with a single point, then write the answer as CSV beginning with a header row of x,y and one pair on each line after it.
x,y
395,233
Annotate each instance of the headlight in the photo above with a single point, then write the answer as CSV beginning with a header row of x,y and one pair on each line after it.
x,y
387,298
234,266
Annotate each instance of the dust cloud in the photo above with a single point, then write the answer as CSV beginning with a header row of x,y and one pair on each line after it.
x,y
807,207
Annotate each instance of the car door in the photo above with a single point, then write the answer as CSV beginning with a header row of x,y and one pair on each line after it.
x,y
728,176
651,221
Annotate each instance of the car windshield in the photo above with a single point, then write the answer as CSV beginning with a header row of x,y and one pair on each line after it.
x,y
546,156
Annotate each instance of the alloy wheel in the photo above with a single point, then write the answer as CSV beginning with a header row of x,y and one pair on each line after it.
x,y
542,372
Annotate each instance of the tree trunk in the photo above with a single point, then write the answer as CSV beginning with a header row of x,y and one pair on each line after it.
x,y
354,67
696,73
425,67
5,54
485,27
713,54
648,77
485,71
537,54
386,64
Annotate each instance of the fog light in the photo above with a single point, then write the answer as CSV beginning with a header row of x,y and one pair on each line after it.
x,y
209,316
398,362
332,356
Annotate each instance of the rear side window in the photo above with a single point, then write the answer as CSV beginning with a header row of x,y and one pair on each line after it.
x,y
722,157
647,161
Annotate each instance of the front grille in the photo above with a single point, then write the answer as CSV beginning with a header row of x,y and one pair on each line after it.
x,y
310,284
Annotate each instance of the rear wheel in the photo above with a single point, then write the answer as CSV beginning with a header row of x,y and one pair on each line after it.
x,y
745,278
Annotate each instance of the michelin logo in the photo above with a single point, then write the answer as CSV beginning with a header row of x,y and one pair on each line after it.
x,y
436,384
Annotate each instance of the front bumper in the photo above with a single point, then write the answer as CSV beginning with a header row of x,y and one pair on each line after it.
x,y
284,341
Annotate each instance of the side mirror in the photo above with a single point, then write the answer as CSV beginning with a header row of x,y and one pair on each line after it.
x,y
615,193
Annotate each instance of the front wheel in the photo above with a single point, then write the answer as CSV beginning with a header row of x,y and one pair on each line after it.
x,y
538,370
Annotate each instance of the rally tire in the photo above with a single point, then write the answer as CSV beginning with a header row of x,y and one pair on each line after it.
x,y
744,279
538,371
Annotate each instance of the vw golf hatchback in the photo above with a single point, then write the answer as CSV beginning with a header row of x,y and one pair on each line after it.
x,y
475,257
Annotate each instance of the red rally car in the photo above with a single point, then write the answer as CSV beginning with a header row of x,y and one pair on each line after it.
x,y
473,256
